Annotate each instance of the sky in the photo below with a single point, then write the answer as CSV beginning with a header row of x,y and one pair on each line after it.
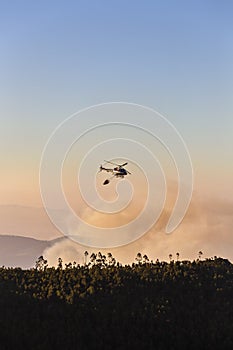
x,y
59,57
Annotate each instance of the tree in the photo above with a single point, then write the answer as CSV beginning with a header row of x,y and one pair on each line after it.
x,y
41,263
93,258
59,266
139,258
170,257
85,257
145,258
200,254
68,265
177,256
111,259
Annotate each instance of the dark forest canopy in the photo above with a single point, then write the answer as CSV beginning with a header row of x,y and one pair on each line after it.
x,y
104,305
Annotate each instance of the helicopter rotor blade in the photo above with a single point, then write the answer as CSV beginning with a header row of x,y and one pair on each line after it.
x,y
123,165
128,172
107,161
120,165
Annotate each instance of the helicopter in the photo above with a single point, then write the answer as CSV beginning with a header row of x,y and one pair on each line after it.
x,y
117,171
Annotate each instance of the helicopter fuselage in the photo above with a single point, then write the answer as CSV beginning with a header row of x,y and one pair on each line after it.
x,y
120,172
117,171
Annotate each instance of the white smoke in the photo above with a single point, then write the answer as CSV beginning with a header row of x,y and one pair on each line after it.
x,y
207,227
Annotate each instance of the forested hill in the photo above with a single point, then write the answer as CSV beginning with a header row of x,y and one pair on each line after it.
x,y
103,305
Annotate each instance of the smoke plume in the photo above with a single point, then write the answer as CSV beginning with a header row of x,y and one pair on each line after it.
x,y
207,227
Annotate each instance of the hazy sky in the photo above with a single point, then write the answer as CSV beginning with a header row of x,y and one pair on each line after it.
x,y
60,56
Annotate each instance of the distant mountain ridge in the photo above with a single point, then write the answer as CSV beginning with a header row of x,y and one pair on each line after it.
x,y
20,251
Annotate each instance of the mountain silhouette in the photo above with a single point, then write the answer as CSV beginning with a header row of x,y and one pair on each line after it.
x,y
19,251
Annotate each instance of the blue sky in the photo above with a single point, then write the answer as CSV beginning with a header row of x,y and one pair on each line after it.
x,y
60,56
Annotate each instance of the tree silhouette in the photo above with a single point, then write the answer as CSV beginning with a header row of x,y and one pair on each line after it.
x,y
76,304
139,258
59,266
41,263
145,259
85,257
111,260
93,258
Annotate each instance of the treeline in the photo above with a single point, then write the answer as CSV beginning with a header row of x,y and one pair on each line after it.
x,y
104,305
